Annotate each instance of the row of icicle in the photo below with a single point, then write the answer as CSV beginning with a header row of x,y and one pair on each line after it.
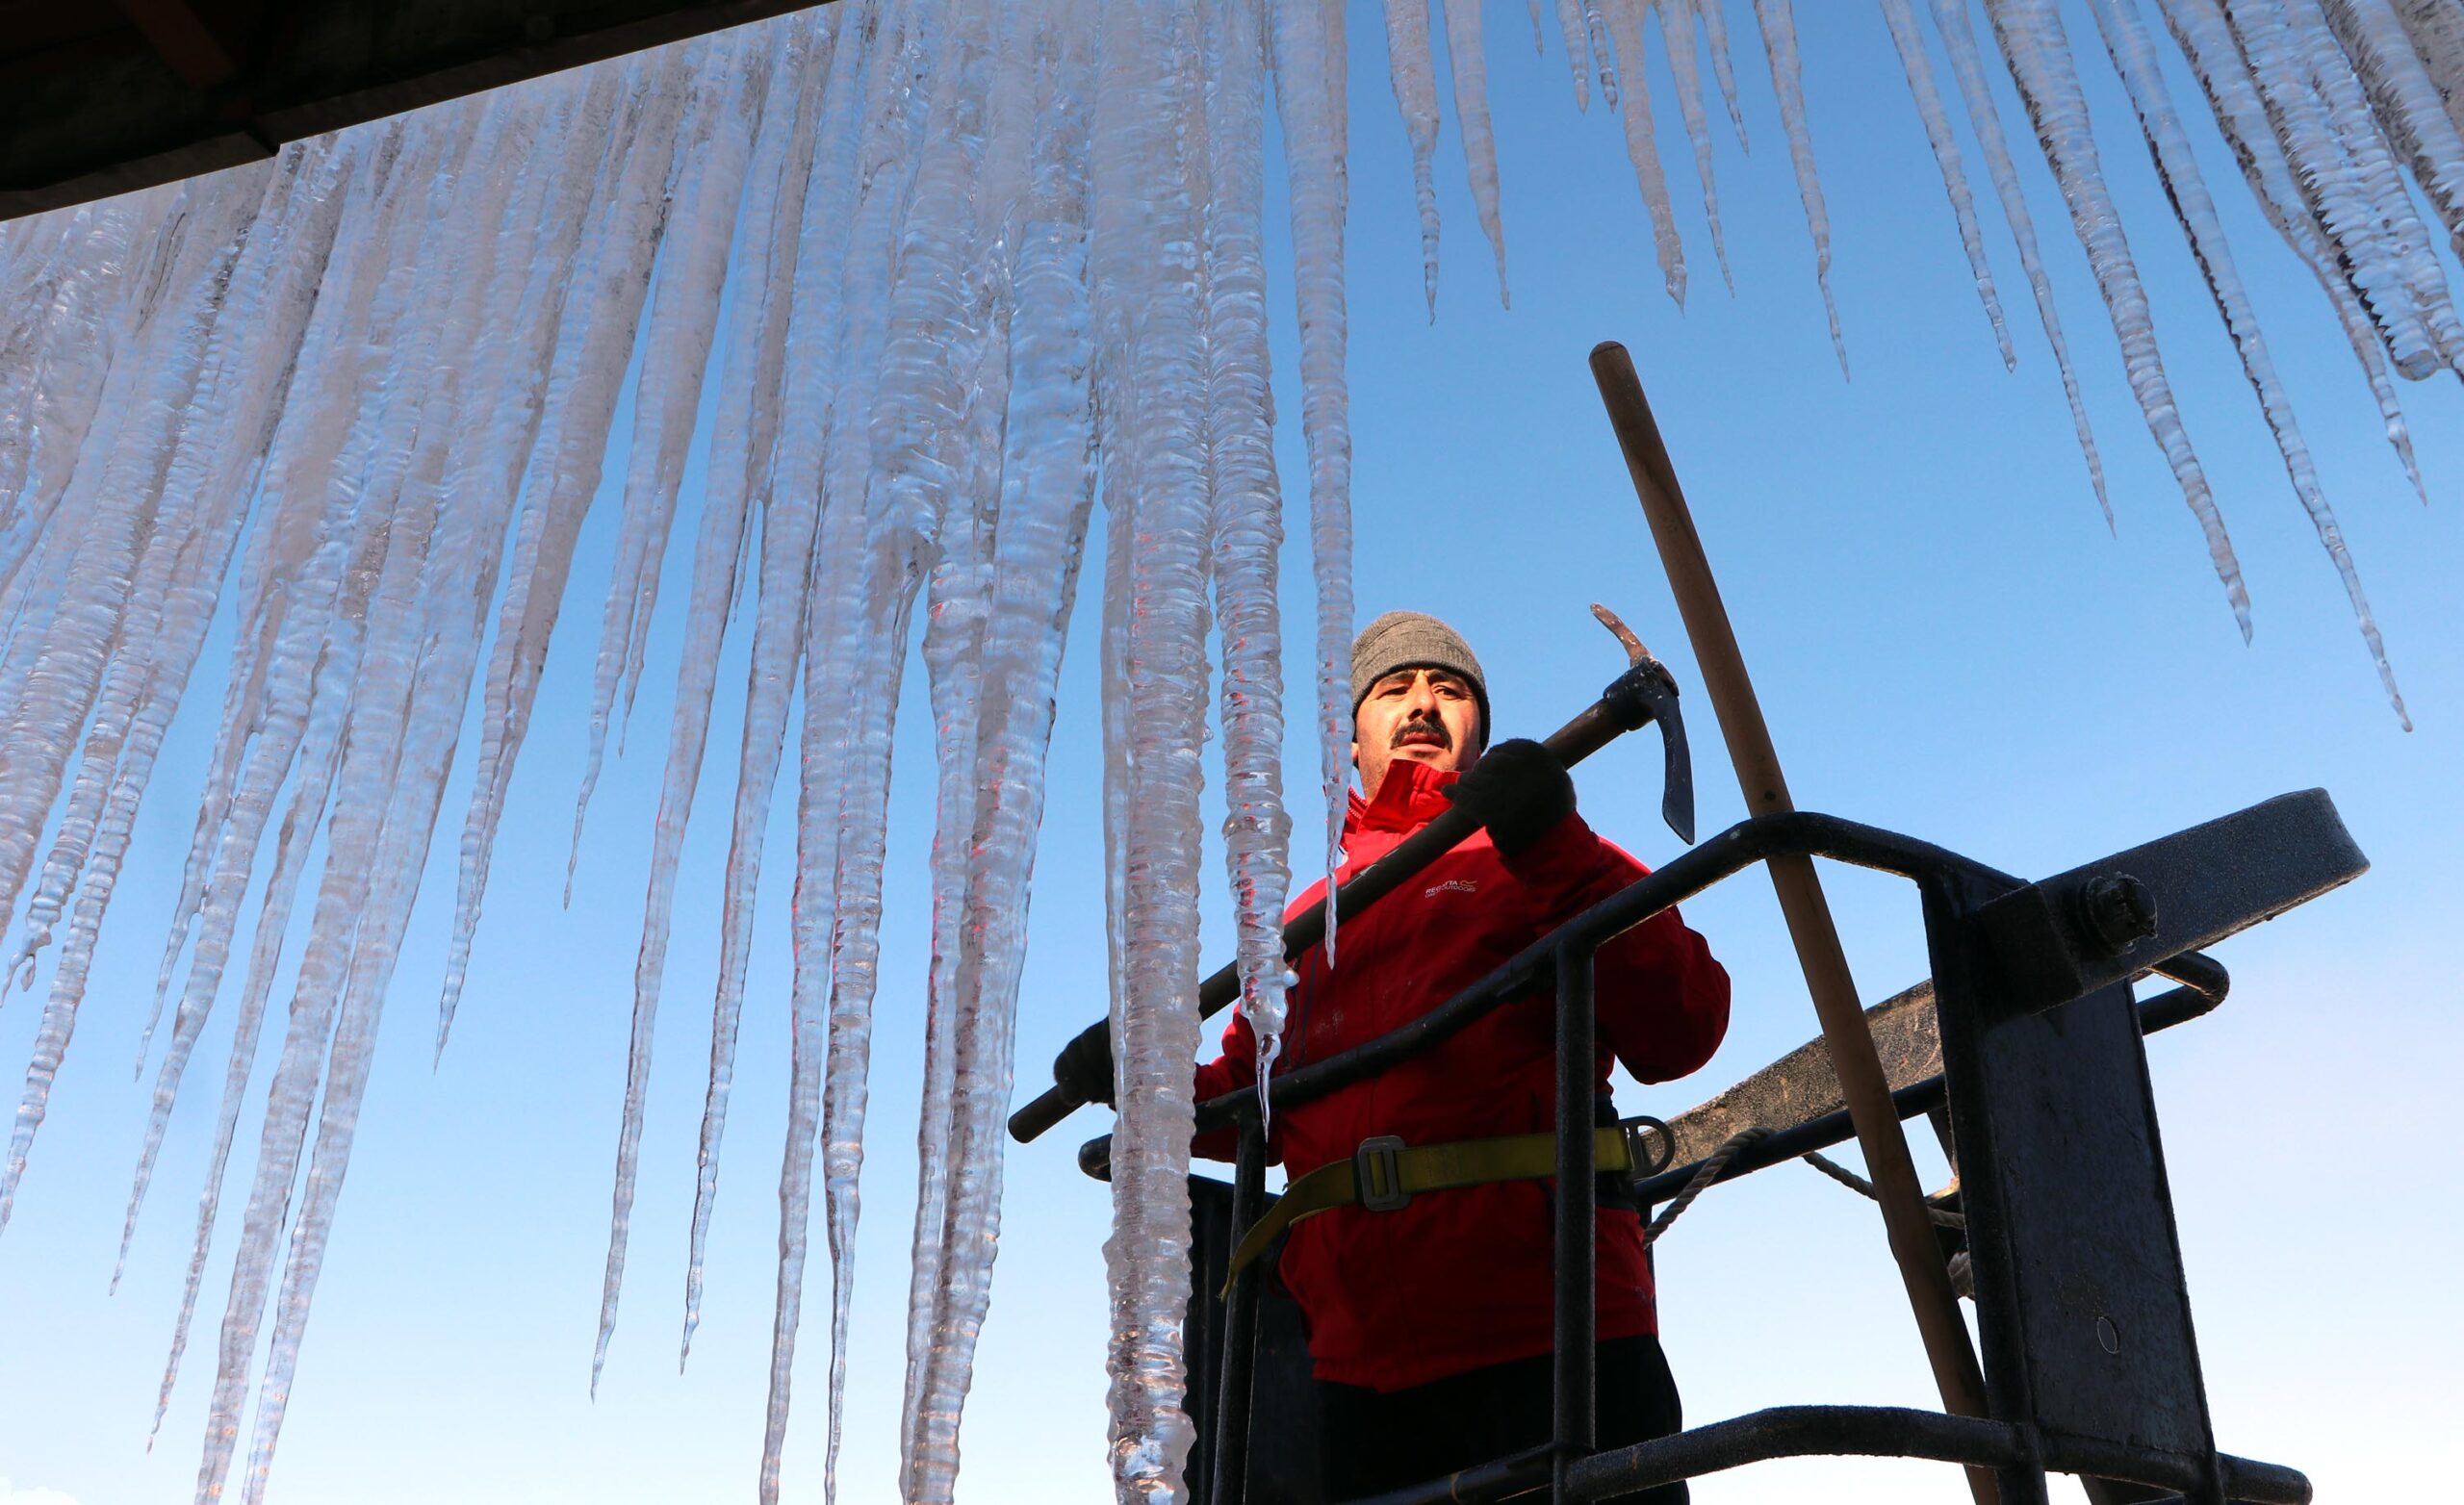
x,y
951,266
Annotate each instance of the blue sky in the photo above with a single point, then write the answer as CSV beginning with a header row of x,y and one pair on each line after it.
x,y
1947,642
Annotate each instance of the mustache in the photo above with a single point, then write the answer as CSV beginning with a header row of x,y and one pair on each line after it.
x,y
1430,724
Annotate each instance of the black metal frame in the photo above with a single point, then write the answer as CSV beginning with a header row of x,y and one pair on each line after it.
x,y
2091,1364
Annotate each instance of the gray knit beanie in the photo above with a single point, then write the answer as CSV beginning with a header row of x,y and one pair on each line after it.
x,y
1414,640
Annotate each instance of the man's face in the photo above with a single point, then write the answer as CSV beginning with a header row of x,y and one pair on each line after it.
x,y
1415,715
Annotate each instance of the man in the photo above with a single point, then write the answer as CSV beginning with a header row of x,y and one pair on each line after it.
x,y
1430,1325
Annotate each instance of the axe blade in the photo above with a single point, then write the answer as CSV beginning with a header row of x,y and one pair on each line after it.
x,y
1677,780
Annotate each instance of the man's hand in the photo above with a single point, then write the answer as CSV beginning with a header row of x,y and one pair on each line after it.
x,y
1085,1067
1518,790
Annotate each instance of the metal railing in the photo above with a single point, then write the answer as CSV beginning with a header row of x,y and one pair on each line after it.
x,y
2201,884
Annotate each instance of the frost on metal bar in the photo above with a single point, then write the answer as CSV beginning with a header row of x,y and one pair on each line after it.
x,y
922,278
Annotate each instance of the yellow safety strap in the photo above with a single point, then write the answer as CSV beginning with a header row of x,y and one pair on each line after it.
x,y
1396,1173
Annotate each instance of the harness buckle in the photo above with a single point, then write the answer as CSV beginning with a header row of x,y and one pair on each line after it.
x,y
1377,1172
1650,1146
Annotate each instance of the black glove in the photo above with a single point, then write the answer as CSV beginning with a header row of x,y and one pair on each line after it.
x,y
1085,1067
1518,790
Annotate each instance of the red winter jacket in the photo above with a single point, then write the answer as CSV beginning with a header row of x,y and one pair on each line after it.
x,y
1457,1280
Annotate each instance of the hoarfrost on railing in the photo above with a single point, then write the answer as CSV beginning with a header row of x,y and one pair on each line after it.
x,y
954,266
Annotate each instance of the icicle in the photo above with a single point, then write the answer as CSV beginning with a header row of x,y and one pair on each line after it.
x,y
809,353
1596,26
2360,135
2407,102
594,336
1985,118
2333,155
73,310
923,444
1247,522
1313,166
2437,33
442,547
78,599
1465,55
1145,275
254,335
1677,30
854,640
1642,149
1046,490
2032,41
711,171
2125,38
459,574
741,452
334,373
1576,33
1715,33
1904,36
1413,66
1779,24
2201,28
93,609
353,836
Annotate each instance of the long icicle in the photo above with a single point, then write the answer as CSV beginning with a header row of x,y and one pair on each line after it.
x,y
2365,142
1985,118
1901,17
1045,480
597,332
2436,29
1625,43
1573,30
742,454
1716,37
1413,68
2039,54
1676,31
712,173
2407,103
1466,54
2126,37
650,962
1778,23
1313,154
1247,520
1147,281
2206,39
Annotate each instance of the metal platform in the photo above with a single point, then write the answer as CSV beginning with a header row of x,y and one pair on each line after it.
x,y
2091,1361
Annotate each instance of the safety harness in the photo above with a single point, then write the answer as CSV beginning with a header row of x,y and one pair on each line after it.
x,y
1384,1174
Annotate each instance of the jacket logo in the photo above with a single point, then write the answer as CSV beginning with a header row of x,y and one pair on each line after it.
x,y
1452,886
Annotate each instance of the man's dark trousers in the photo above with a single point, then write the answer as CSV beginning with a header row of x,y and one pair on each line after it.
x,y
1372,1443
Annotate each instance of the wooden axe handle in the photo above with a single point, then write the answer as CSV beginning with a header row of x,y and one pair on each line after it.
x,y
1863,1084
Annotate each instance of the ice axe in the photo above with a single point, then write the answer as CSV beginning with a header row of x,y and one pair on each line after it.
x,y
1646,692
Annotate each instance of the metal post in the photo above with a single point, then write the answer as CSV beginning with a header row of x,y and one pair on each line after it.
x,y
1577,1294
1240,1327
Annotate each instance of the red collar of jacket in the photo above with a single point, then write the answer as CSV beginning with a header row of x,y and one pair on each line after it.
x,y
1412,795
